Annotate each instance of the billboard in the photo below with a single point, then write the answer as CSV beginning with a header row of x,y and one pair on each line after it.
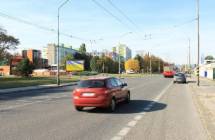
x,y
75,65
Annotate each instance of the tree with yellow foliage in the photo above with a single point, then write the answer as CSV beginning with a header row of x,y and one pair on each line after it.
x,y
132,64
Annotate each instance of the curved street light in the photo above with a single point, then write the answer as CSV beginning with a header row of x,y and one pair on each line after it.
x,y
123,35
58,42
198,41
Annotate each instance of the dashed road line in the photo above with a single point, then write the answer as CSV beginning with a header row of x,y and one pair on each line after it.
x,y
31,101
132,123
116,138
138,117
17,106
125,130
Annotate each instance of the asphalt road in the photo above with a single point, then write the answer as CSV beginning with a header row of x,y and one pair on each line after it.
x,y
159,110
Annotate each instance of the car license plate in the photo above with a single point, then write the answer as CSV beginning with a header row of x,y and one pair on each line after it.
x,y
88,94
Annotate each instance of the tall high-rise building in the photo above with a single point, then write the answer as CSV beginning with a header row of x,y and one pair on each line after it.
x,y
124,52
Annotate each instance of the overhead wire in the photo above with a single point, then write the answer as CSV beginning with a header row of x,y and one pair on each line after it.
x,y
137,27
127,18
122,13
110,13
39,26
186,22
171,29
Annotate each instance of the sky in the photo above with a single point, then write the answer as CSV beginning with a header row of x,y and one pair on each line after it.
x,y
167,25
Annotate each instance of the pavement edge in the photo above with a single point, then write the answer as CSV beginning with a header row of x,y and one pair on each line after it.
x,y
15,90
198,107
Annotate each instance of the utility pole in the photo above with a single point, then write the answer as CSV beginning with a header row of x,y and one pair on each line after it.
x,y
119,53
189,57
150,63
198,36
58,41
58,45
119,59
91,44
103,67
159,66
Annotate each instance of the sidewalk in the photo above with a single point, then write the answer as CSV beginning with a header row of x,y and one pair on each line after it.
x,y
204,98
12,90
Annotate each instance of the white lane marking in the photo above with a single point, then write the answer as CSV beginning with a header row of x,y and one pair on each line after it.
x,y
138,117
24,101
40,97
31,101
163,92
17,106
132,123
117,138
124,131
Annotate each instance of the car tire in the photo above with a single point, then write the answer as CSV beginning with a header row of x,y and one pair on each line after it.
x,y
79,108
128,98
112,106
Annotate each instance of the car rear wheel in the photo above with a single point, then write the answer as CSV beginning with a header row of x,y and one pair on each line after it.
x,y
112,106
128,98
79,108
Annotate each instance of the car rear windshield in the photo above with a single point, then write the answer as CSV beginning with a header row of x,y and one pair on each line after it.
x,y
179,74
91,84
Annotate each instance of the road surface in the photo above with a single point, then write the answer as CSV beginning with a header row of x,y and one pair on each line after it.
x,y
159,110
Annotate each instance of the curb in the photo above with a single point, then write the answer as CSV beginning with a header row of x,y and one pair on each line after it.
x,y
21,89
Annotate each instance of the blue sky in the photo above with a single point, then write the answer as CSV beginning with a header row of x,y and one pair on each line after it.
x,y
85,19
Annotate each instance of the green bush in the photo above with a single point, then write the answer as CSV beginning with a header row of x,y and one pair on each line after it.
x,y
85,73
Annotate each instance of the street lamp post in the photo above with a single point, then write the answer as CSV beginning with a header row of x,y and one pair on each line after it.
x,y
119,59
198,36
119,50
150,63
58,41
189,58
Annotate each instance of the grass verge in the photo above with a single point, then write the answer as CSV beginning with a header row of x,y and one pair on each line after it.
x,y
15,82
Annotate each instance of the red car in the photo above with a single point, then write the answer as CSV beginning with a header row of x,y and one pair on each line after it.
x,y
168,71
168,74
103,92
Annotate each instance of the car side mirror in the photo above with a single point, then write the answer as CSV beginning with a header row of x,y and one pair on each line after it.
x,y
124,84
